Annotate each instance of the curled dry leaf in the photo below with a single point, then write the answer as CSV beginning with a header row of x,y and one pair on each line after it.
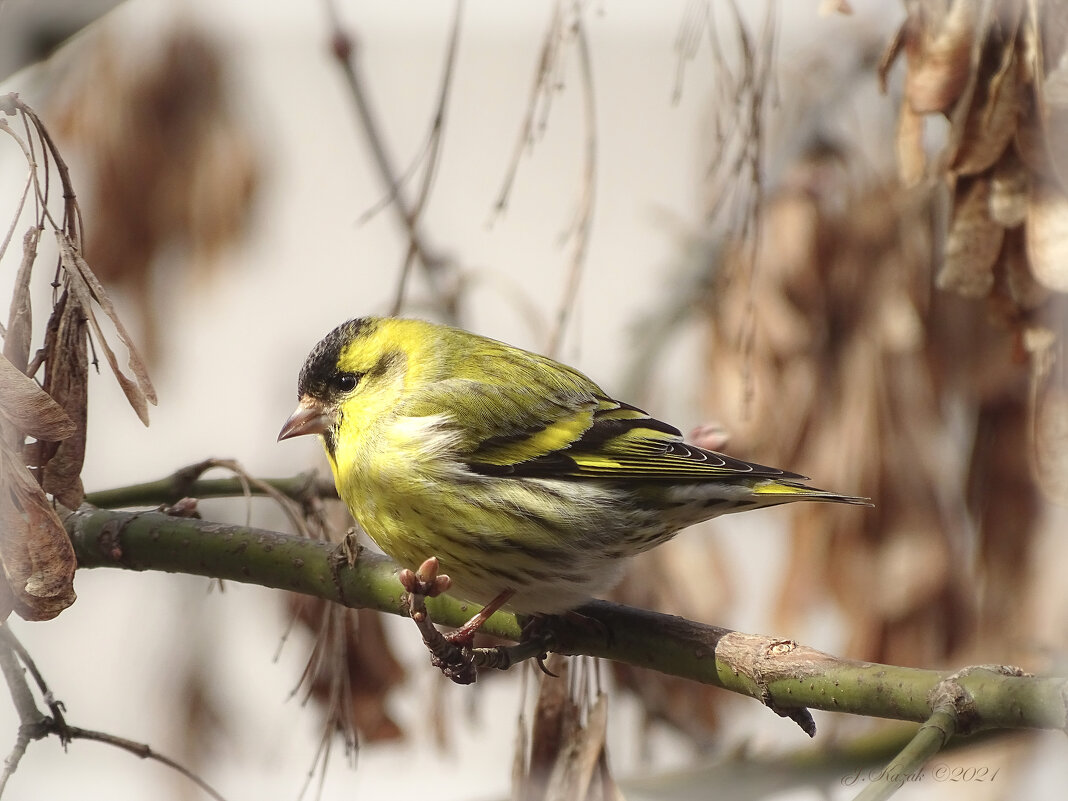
x,y
27,410
37,555
939,53
973,242
85,287
67,382
20,318
1047,236
992,116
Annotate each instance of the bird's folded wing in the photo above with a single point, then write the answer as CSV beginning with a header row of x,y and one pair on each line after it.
x,y
573,431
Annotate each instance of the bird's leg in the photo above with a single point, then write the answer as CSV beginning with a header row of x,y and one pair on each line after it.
x,y
465,635
454,661
453,653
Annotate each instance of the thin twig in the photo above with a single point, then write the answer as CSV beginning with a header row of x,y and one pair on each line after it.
x,y
584,218
144,752
343,46
34,725
303,488
540,92
930,738
30,716
433,151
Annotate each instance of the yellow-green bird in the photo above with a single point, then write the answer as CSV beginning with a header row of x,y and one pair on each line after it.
x,y
528,483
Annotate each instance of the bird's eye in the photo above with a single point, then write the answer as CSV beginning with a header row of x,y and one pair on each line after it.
x,y
346,382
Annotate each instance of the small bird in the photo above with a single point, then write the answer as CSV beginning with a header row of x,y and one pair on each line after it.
x,y
529,484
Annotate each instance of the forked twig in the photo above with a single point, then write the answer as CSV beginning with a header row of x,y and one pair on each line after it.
x,y
344,46
35,725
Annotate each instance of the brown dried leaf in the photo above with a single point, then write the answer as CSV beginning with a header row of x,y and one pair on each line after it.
x,y
550,716
1010,189
939,56
88,290
992,117
1051,100
1024,292
27,410
567,759
67,382
1047,236
7,598
20,317
573,774
972,243
37,555
1049,416
911,156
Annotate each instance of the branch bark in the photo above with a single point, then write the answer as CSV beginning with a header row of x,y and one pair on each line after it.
x,y
782,674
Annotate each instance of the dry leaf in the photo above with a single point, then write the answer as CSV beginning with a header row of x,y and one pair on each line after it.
x,y
7,598
1024,292
20,317
1051,100
992,117
567,758
911,156
37,555
27,410
1049,413
67,382
85,287
1047,236
171,168
972,243
939,56
1010,189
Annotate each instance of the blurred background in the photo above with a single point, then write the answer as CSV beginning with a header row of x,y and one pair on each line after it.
x,y
713,211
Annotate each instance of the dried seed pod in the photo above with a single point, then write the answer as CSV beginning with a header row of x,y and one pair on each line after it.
x,y
973,242
1047,235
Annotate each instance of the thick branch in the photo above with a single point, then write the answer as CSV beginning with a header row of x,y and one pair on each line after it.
x,y
780,673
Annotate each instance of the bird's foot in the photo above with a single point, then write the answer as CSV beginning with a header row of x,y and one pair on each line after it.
x,y
454,653
453,660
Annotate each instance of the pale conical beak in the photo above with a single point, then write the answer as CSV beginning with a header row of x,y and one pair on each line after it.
x,y
311,417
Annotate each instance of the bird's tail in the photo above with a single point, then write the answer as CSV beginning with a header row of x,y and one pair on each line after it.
x,y
772,492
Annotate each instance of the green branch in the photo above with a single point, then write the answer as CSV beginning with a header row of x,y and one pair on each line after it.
x,y
186,483
782,674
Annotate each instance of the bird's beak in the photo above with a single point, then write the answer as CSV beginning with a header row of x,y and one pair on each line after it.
x,y
311,417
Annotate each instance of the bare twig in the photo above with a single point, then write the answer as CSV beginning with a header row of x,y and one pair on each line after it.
x,y
540,97
304,492
433,151
584,217
328,657
34,725
344,46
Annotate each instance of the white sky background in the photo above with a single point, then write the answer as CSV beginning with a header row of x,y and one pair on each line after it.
x,y
233,348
